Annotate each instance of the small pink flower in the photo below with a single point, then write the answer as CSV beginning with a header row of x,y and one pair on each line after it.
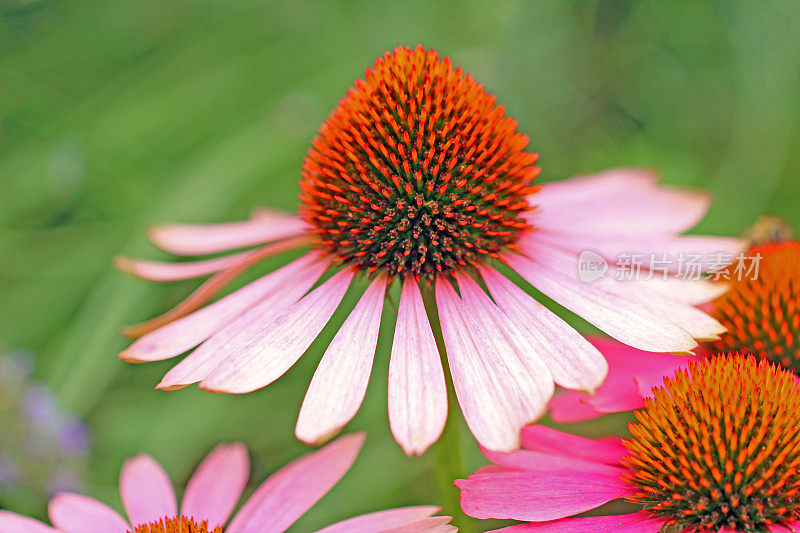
x,y
213,492
715,449
418,177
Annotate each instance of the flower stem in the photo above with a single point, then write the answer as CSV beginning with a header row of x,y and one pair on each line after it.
x,y
448,460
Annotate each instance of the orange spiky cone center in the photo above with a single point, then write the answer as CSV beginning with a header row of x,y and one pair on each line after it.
x,y
180,524
417,171
719,447
762,315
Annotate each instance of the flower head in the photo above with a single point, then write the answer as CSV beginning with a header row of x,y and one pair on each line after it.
x,y
213,492
419,183
716,448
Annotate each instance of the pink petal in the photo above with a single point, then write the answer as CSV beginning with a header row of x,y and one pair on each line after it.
x,y
211,288
14,523
201,239
268,355
417,391
497,391
288,493
687,291
549,440
434,524
381,520
73,513
187,332
539,496
216,485
172,271
621,202
340,381
146,491
542,461
627,523
571,359
570,407
625,320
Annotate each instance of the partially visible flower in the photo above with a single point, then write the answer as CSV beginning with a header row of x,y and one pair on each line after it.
x,y
419,179
43,449
716,449
213,492
760,310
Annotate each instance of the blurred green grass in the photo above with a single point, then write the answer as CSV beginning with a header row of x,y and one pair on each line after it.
x,y
115,115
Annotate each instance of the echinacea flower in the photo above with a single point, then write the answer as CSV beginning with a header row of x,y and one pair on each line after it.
x,y
717,448
213,492
418,176
760,310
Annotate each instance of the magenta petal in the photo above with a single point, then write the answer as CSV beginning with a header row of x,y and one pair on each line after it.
x,y
14,523
549,440
417,392
539,461
539,496
291,491
569,407
381,520
627,523
187,332
73,513
201,239
146,491
216,485
340,381
266,356
172,271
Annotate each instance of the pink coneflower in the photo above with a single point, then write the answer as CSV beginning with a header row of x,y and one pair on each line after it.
x,y
213,492
716,449
417,180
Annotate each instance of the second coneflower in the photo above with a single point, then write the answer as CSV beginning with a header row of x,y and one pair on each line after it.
x,y
419,178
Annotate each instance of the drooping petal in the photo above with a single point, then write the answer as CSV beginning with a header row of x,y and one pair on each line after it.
x,y
538,496
627,523
146,491
417,391
573,362
216,485
433,524
538,461
185,333
627,321
340,381
14,523
498,393
549,440
567,408
201,239
74,513
174,271
617,202
209,289
381,520
267,355
291,491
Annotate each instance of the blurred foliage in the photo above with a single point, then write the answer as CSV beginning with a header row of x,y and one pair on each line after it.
x,y
118,114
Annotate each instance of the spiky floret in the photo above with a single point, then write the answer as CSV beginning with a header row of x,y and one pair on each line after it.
x,y
417,171
762,315
176,525
719,446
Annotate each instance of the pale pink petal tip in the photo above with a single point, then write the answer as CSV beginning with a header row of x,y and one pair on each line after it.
x,y
14,523
217,485
389,520
146,490
74,513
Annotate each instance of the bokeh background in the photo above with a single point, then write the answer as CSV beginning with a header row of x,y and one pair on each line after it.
x,y
119,114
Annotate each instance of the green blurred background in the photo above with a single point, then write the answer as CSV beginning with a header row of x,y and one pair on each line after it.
x,y
118,114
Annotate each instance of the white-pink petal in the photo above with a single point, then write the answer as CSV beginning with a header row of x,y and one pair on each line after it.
x,y
291,491
417,390
201,239
14,523
174,271
187,332
217,485
265,357
340,381
572,360
146,491
381,520
74,513
498,393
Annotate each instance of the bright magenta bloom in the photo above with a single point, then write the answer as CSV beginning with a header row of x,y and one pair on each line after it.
x,y
213,492
716,448
418,177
